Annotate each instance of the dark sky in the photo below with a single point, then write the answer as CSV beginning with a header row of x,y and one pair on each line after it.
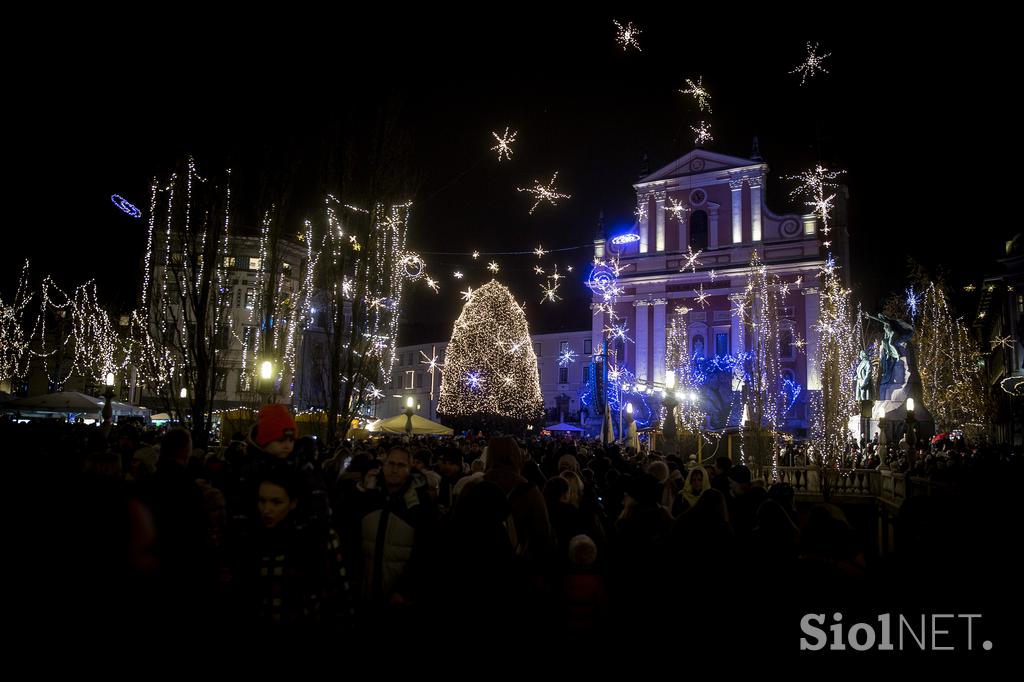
x,y
918,118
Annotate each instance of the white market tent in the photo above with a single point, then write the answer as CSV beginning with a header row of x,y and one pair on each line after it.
x,y
563,427
420,425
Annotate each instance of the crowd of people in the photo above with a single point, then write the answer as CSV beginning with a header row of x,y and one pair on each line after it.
x,y
453,537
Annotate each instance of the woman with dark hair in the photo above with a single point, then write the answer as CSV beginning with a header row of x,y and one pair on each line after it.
x,y
284,574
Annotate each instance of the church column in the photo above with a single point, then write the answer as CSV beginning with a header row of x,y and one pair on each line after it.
x,y
811,309
659,237
736,185
659,340
736,340
642,205
713,235
641,340
755,207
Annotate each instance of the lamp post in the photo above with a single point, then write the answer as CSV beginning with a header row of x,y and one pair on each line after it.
x,y
911,423
670,402
266,374
108,394
631,428
182,394
409,412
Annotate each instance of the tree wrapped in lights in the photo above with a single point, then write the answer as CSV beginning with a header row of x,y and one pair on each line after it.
x,y
758,310
839,346
951,366
185,292
490,368
14,338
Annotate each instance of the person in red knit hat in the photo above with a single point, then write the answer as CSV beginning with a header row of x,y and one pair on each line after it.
x,y
275,430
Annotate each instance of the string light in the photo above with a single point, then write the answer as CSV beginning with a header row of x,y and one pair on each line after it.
x,y
457,275
699,93
566,357
813,185
467,294
538,270
504,141
490,322
126,206
812,64
544,193
701,296
432,283
539,251
1002,342
626,36
492,266
912,302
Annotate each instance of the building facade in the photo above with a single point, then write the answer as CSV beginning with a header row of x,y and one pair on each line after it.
x,y
712,204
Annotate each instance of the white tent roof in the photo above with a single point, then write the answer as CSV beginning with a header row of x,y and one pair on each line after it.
x,y
420,425
65,401
563,427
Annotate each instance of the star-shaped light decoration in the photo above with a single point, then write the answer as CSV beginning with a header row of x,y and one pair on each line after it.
x,y
432,283
702,132
1002,342
545,193
492,266
566,357
699,93
538,270
812,64
626,35
474,380
677,209
550,293
539,251
431,362
690,261
476,254
457,275
504,141
569,268
701,296
467,294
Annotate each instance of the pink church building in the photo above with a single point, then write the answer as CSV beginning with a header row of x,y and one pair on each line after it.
x,y
713,203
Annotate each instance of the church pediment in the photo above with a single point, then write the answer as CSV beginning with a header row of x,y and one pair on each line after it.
x,y
697,162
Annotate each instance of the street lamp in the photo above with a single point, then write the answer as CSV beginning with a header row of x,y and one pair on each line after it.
x,y
266,373
108,394
631,428
184,393
911,421
409,412
670,402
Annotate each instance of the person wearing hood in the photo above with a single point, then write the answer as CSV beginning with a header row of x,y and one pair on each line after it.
x,y
697,481
270,450
534,539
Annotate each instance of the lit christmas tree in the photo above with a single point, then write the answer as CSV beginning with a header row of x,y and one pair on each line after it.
x,y
951,367
490,369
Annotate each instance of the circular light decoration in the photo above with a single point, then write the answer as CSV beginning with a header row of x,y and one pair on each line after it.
x,y
627,238
412,266
600,278
125,206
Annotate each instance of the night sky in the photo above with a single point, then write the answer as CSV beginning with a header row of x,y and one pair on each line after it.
x,y
918,119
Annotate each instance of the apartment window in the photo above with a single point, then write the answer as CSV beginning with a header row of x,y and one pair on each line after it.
x,y
536,349
249,295
563,375
721,343
287,269
562,347
220,381
254,263
587,347
410,380
229,261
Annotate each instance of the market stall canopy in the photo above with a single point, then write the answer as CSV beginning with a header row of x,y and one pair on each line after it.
x,y
420,425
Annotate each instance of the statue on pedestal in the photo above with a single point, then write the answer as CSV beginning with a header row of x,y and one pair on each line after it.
x,y
864,377
895,334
